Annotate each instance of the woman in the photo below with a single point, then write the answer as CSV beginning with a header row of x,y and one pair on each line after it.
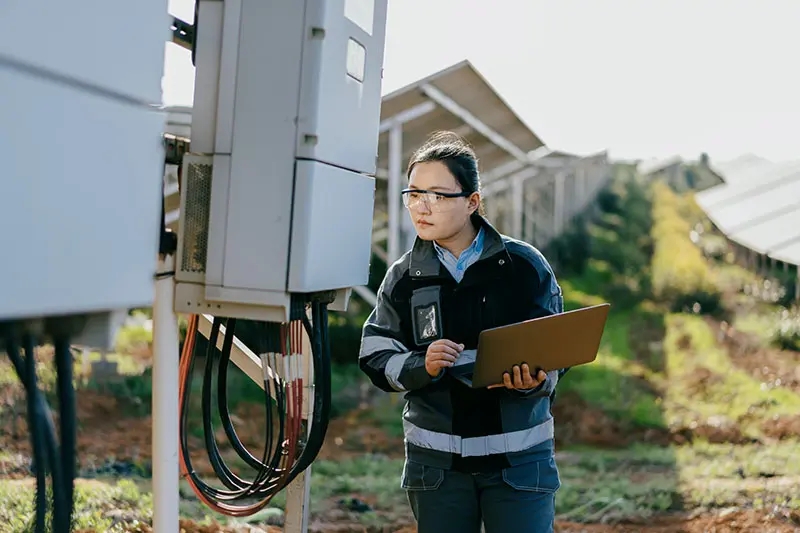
x,y
472,455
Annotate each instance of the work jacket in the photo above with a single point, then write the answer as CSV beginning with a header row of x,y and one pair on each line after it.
x,y
447,424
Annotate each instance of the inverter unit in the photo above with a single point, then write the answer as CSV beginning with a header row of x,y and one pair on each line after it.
x,y
277,193
80,143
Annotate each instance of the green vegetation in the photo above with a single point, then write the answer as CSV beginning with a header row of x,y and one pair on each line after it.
x,y
681,275
786,334
612,485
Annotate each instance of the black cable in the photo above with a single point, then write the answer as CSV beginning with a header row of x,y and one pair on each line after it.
x,y
237,485
43,440
208,491
270,476
37,438
225,414
67,407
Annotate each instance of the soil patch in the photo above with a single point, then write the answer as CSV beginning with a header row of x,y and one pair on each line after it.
x,y
782,427
188,526
774,367
726,521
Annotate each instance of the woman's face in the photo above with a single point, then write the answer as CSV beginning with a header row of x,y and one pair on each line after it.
x,y
437,217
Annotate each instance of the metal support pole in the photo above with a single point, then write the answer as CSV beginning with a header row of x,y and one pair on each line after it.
x,y
797,283
394,188
580,187
558,204
166,468
298,493
518,203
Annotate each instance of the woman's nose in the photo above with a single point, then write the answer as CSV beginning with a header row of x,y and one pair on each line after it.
x,y
423,207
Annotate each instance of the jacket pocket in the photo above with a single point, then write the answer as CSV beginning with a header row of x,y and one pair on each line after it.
x,y
536,476
417,476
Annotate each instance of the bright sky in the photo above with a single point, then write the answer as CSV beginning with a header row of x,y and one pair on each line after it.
x,y
641,78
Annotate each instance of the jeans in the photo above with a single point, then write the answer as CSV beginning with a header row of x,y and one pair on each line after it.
x,y
519,499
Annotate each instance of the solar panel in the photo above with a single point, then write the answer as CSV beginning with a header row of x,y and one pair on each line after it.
x,y
748,184
755,207
767,235
737,168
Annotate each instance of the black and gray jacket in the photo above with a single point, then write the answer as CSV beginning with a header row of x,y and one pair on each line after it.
x,y
447,424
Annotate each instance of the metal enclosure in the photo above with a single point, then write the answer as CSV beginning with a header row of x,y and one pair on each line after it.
x,y
278,193
82,159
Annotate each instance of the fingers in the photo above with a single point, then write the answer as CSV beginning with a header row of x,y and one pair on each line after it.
x,y
446,346
441,354
449,343
437,365
520,378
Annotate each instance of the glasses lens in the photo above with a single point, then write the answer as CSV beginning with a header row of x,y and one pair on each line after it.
x,y
435,202
416,199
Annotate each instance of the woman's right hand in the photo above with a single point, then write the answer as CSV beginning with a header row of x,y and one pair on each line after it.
x,y
441,354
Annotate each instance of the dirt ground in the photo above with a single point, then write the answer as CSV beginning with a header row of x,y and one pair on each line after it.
x,y
776,368
722,522
725,521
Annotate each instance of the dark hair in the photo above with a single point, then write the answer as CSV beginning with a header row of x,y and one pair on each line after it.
x,y
457,154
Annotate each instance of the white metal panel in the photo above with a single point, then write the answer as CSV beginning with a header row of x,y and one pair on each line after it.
x,y
262,159
332,228
232,20
339,113
208,46
113,45
79,205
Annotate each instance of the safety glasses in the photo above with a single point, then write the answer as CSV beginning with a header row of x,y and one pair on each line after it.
x,y
436,201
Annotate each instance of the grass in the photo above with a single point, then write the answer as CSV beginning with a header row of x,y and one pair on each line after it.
x,y
98,504
612,485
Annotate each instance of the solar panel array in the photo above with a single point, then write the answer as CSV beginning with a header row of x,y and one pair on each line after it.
x,y
759,207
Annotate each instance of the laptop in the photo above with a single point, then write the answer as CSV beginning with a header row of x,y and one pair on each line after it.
x,y
549,343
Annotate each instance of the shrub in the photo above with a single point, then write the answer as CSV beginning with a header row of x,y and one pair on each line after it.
x,y
787,331
680,273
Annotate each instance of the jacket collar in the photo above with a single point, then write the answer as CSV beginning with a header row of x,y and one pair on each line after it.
x,y
424,262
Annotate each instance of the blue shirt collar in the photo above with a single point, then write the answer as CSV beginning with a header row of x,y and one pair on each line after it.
x,y
457,266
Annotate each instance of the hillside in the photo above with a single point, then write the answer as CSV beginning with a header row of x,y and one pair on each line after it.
x,y
688,420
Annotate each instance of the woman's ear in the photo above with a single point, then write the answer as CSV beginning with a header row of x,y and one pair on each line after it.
x,y
474,202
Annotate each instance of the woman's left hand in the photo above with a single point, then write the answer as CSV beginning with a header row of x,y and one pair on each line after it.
x,y
522,378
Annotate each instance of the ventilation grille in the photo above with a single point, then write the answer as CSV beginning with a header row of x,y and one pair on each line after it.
x,y
197,206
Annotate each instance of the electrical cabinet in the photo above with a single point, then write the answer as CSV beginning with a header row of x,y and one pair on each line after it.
x,y
82,160
278,192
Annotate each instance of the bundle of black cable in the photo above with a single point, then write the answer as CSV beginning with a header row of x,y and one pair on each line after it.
x,y
287,452
49,456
